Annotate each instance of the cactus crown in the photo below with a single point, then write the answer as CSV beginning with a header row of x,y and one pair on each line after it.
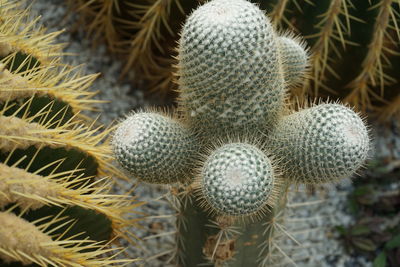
x,y
234,71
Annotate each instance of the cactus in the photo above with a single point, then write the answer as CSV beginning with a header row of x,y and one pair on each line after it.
x,y
237,179
294,59
353,44
56,205
144,140
247,144
325,143
213,73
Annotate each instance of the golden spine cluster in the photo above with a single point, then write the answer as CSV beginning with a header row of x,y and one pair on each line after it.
x,y
55,163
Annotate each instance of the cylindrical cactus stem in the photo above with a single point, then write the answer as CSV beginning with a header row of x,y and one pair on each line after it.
x,y
321,144
258,245
241,190
230,73
154,148
212,240
192,231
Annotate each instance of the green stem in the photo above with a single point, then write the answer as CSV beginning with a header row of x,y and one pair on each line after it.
x,y
197,235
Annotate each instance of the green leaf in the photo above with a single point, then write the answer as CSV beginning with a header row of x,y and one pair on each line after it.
x,y
353,206
380,260
360,230
393,243
362,191
366,200
364,243
341,229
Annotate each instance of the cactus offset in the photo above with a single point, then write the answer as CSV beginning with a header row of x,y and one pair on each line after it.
x,y
56,205
335,30
325,143
154,147
294,59
250,146
237,179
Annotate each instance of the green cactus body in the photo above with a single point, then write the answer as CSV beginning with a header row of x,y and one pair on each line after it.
x,y
212,71
325,143
56,208
231,76
224,241
294,60
154,147
237,179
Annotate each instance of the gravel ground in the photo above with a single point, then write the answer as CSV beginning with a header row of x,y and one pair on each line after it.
x,y
311,223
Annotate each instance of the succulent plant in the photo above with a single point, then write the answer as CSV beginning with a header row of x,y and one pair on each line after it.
x,y
212,72
246,144
353,44
155,147
56,204
325,143
237,179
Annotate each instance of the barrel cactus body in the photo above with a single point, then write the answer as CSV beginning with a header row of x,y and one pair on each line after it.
x,y
353,45
249,145
56,208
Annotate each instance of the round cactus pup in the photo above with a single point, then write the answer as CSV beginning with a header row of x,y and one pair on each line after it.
x,y
237,179
294,59
322,144
154,148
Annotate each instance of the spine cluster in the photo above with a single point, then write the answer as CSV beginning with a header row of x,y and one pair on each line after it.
x,y
56,208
